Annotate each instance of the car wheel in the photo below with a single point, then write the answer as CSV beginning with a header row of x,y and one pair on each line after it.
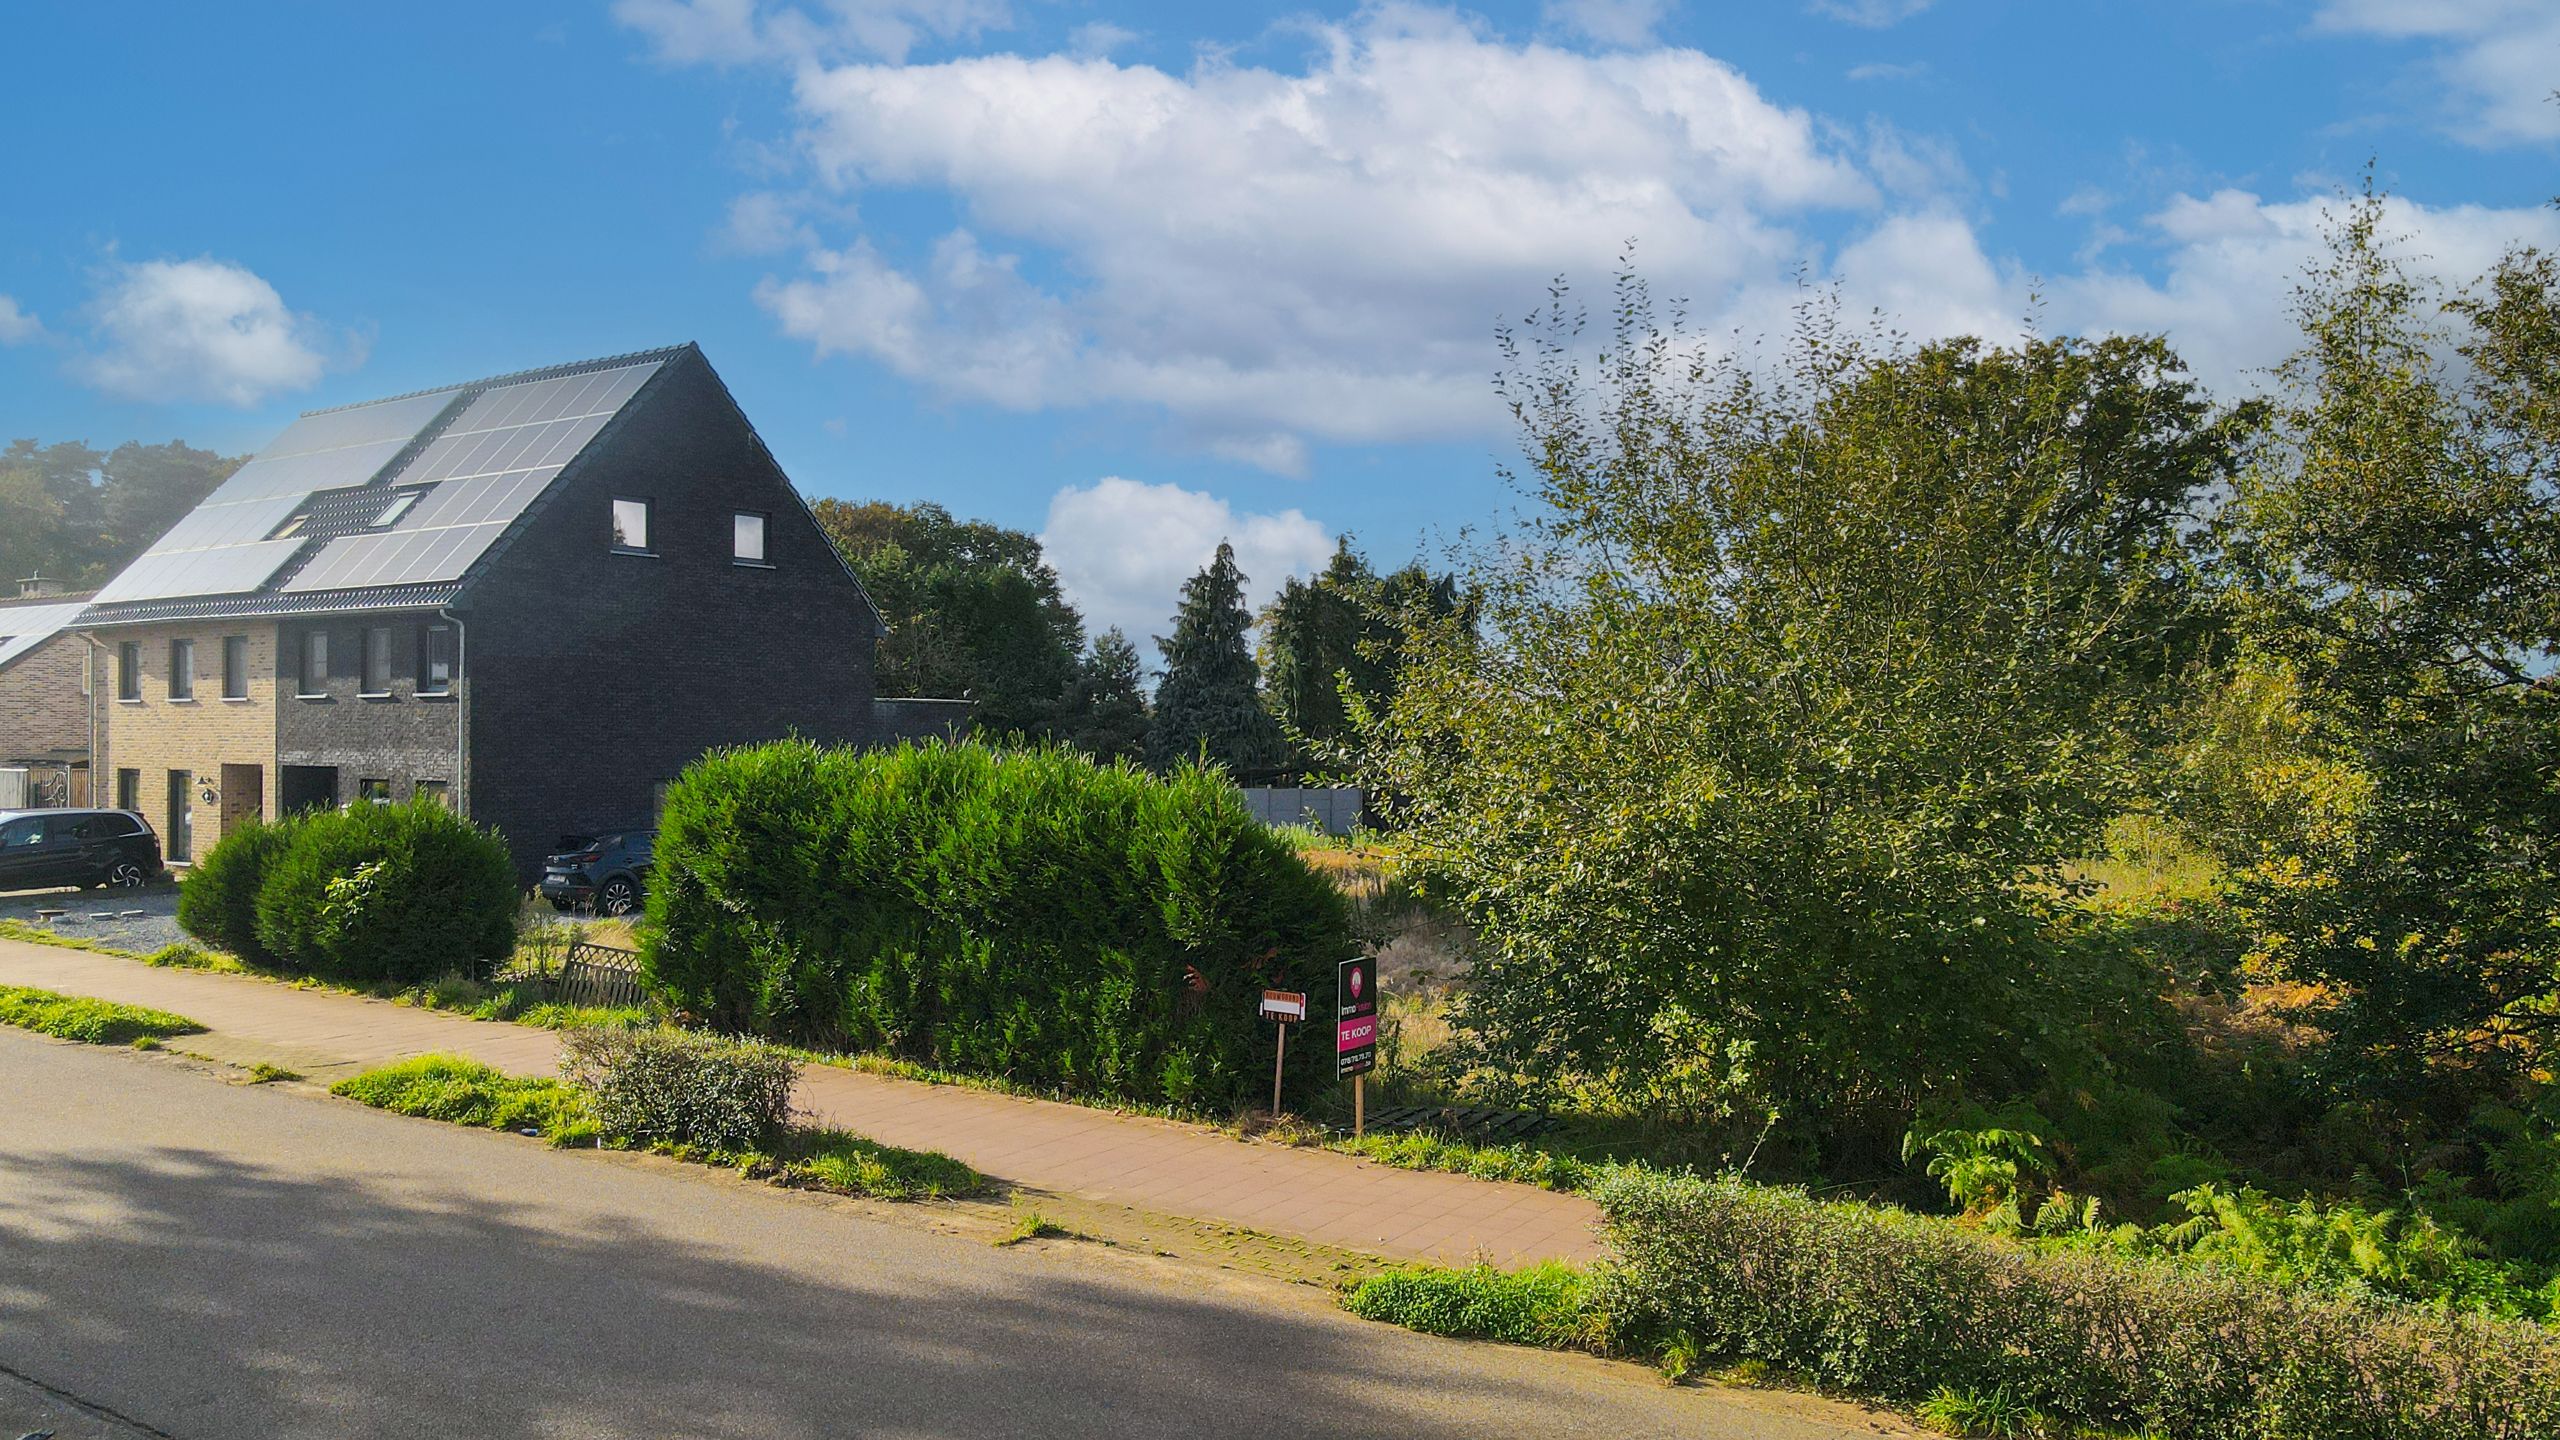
x,y
125,875
563,906
618,897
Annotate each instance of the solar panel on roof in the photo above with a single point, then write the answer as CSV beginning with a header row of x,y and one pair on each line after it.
x,y
489,463
223,570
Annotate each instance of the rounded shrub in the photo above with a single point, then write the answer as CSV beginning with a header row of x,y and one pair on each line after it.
x,y
403,893
218,901
1026,913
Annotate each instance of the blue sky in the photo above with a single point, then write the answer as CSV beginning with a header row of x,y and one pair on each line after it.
x,y
1141,276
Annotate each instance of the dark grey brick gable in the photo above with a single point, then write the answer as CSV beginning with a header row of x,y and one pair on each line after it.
x,y
402,737
594,676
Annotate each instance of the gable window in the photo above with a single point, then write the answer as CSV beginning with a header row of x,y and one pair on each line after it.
x,y
235,667
746,538
631,525
182,669
314,677
129,671
435,660
377,660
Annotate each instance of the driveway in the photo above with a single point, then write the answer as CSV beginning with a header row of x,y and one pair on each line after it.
x,y
212,1260
139,921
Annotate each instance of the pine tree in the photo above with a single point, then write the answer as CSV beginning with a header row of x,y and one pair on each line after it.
x,y
1106,711
1210,699
1311,643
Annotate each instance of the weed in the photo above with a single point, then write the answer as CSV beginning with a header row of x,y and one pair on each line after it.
x,y
1032,1225
77,1017
1994,1413
263,1073
1544,1305
847,1163
147,1042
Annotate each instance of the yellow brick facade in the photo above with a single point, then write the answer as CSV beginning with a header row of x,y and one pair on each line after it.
x,y
226,747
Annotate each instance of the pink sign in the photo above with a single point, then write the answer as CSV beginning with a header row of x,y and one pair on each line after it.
x,y
1356,1034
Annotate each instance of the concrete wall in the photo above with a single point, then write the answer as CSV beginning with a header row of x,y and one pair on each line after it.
x,y
154,734
1334,810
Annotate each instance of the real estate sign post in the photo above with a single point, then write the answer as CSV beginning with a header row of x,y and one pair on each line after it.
x,y
1288,1007
1355,1031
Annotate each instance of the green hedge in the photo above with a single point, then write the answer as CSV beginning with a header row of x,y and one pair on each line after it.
x,y
218,901
401,893
1904,1307
1022,913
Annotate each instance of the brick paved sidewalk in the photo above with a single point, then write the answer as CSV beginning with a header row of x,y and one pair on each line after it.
x,y
1158,1165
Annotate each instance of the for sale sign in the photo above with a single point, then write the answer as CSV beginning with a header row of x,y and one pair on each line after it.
x,y
1355,1026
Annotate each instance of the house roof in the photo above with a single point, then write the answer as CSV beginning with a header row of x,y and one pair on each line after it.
x,y
388,503
24,627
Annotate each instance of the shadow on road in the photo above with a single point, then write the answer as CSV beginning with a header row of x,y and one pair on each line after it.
x,y
213,1295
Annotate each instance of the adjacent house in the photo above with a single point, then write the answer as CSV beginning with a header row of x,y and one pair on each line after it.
x,y
44,694
535,598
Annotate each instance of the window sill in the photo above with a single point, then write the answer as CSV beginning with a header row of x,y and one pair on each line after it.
x,y
323,699
435,694
128,699
182,699
235,699
644,554
374,695
753,564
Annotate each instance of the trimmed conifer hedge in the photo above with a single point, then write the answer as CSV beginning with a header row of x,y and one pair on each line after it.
x,y
1028,914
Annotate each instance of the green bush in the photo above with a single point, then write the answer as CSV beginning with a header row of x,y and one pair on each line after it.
x,y
77,1017
466,1092
218,902
1908,1308
1544,1305
1026,914
661,1084
403,893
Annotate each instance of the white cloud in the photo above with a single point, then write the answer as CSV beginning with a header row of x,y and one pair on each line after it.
x,y
737,32
203,329
1627,23
1100,37
2228,263
1122,549
1873,14
2500,57
17,327
1257,251
1881,70
764,222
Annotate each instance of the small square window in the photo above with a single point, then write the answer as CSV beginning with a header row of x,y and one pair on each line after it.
x,y
182,669
631,525
746,543
374,791
436,792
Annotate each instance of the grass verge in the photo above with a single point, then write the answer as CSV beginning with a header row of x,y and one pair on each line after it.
x,y
466,1092
96,1022
1548,1306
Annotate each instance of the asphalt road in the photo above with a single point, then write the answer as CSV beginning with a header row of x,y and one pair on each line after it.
x,y
188,1257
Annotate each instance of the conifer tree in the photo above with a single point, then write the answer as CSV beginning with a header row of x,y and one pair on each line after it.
x,y
1106,712
1210,700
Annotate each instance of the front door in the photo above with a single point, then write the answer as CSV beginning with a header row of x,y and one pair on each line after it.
x,y
244,795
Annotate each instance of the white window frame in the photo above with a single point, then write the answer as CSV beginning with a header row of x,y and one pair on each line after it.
x,y
620,548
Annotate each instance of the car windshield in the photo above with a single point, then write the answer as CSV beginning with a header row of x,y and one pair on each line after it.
x,y
567,843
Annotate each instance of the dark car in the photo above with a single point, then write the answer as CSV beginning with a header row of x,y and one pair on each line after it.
x,y
606,870
44,848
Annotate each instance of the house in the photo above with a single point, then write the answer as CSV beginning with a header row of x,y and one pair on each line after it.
x,y
536,598
44,692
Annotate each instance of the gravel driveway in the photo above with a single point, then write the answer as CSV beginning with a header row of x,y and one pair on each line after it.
x,y
141,920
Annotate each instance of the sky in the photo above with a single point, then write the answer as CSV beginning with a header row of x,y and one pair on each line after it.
x,y
1138,277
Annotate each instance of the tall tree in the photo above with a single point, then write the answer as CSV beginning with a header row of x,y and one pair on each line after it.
x,y
1311,649
973,610
78,515
2398,549
1792,699
1106,712
1210,700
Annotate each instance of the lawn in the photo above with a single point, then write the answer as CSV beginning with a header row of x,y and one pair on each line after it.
x,y
97,1022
